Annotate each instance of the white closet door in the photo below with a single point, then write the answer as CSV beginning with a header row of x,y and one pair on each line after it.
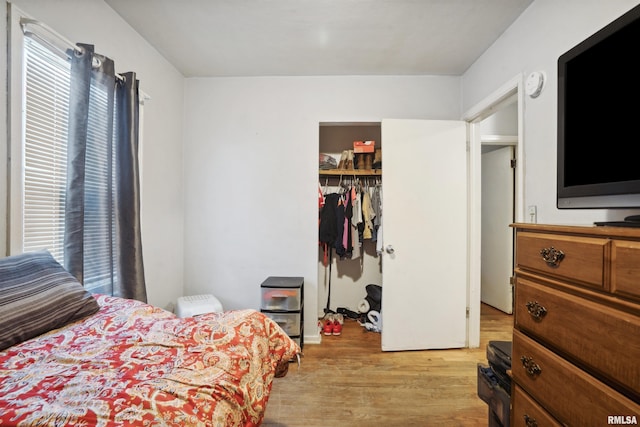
x,y
424,270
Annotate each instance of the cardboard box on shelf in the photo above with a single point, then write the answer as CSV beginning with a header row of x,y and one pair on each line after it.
x,y
364,146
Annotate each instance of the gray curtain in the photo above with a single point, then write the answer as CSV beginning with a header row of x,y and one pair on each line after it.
x,y
102,242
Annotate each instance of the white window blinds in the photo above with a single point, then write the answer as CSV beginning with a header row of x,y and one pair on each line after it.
x,y
47,88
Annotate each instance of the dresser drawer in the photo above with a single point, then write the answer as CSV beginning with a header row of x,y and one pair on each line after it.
x,y
594,334
569,394
525,412
580,259
625,274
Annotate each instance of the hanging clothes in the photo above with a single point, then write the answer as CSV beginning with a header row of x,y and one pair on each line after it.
x,y
356,218
367,215
347,243
376,205
356,200
328,229
348,217
320,197
339,214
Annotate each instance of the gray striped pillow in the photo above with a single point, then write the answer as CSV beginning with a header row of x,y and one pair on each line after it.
x,y
37,295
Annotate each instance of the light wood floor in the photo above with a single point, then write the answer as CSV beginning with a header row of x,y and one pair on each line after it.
x,y
348,381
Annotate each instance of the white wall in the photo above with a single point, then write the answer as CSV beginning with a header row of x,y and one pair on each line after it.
x,y
251,174
93,22
547,29
503,122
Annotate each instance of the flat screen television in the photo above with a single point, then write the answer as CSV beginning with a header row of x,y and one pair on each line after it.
x,y
599,117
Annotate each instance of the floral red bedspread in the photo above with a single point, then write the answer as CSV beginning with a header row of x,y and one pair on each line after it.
x,y
134,364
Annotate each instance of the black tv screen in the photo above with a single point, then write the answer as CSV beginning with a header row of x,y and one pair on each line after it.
x,y
598,116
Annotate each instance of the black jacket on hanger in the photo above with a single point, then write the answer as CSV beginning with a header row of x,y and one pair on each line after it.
x,y
328,232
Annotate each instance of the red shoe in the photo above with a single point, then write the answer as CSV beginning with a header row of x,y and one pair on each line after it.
x,y
328,324
338,320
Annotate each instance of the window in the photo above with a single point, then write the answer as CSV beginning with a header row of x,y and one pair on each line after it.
x,y
47,87
66,101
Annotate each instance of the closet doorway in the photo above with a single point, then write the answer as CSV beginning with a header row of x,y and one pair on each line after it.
x,y
425,252
342,283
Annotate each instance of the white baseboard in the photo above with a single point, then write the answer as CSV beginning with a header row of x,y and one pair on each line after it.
x,y
313,339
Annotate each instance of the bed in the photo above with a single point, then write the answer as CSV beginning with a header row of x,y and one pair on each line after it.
x,y
71,358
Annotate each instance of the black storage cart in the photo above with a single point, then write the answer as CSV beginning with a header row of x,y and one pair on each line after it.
x,y
494,383
283,300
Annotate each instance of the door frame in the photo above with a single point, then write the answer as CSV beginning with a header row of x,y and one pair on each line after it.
x,y
503,95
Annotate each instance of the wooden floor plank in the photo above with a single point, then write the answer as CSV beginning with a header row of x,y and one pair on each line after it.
x,y
348,381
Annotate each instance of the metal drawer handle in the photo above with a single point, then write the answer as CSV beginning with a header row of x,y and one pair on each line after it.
x,y
531,367
530,422
552,256
536,310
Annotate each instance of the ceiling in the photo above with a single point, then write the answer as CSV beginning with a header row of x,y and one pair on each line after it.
x,y
207,38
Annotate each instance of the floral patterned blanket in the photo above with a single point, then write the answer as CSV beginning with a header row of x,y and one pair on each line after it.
x,y
132,364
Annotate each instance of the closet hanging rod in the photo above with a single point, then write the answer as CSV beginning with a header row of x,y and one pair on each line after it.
x,y
354,172
46,34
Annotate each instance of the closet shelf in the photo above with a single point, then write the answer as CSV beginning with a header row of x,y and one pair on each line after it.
x,y
350,172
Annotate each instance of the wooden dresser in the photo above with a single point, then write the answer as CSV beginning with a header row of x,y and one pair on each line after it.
x,y
576,338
